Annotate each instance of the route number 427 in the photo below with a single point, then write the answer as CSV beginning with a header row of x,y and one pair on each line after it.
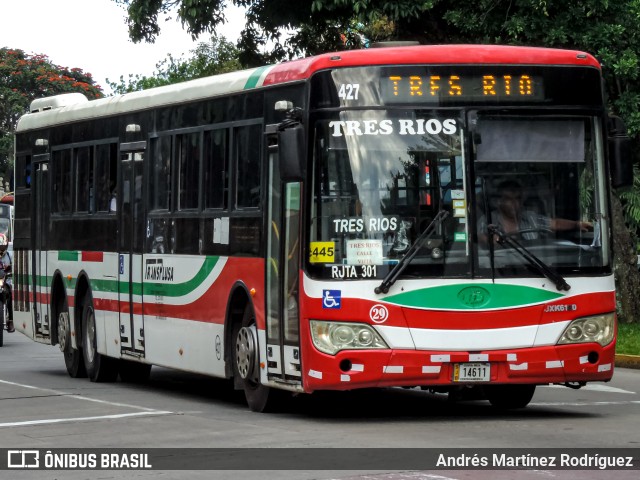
x,y
349,91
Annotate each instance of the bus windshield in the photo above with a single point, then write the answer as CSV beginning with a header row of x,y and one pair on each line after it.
x,y
535,184
381,176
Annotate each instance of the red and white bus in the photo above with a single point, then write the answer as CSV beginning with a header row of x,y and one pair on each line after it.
x,y
330,223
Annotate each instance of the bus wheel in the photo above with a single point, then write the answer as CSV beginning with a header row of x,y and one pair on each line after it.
x,y
134,372
508,397
245,362
100,368
72,357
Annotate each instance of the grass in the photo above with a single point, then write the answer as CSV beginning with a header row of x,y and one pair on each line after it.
x,y
628,339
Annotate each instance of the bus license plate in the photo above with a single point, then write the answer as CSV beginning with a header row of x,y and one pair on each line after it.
x,y
471,372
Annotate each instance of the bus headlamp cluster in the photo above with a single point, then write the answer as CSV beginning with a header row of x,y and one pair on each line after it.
x,y
331,337
598,328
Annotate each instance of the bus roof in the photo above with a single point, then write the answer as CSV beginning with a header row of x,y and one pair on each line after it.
x,y
65,111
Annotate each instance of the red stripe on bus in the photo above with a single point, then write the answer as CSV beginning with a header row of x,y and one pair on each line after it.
x,y
92,256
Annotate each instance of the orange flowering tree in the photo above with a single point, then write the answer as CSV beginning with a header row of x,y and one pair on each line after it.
x,y
25,77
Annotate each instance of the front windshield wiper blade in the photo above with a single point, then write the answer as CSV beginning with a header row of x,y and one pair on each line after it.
x,y
561,283
397,269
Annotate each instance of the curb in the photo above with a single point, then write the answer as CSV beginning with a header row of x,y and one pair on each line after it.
x,y
628,361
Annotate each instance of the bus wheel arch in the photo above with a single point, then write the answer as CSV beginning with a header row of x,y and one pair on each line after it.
x,y
238,300
61,331
242,351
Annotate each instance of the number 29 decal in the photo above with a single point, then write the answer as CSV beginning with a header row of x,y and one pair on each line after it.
x,y
379,313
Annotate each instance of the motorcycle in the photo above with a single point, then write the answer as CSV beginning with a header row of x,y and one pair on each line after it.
x,y
5,293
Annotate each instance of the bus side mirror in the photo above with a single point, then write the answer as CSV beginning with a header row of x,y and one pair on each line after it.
x,y
291,153
620,154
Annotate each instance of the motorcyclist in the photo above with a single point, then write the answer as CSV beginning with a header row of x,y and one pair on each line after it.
x,y
5,265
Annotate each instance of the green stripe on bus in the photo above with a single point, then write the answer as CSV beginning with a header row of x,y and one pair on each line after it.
x,y
253,79
484,296
179,289
68,256
149,288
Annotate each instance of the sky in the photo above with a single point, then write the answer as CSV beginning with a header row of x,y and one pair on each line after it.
x,y
92,35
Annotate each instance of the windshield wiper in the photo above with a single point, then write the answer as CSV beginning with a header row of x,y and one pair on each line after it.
x,y
561,283
397,269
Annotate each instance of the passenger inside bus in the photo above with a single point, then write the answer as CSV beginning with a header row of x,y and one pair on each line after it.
x,y
113,201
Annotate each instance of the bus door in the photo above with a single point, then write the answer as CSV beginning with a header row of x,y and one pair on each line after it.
x,y
282,275
130,232
40,218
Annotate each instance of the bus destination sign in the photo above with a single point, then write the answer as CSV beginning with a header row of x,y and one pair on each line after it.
x,y
440,88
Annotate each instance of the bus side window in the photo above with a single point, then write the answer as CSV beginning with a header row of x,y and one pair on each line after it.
x,y
160,180
105,177
247,154
62,181
84,179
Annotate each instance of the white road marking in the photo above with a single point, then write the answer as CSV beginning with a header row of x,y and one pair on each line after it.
x,y
144,410
582,404
81,419
596,387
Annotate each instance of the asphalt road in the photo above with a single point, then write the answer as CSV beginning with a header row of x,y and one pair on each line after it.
x,y
42,408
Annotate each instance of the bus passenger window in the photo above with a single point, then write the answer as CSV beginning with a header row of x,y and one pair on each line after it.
x,y
62,181
23,171
216,168
84,188
106,173
247,143
160,182
188,170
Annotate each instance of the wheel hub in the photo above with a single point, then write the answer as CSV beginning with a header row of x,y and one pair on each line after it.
x,y
246,353
90,336
63,331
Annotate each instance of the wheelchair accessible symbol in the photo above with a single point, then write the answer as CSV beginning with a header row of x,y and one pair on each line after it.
x,y
331,299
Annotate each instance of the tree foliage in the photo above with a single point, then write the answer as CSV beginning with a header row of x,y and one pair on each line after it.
x,y
609,29
23,78
208,58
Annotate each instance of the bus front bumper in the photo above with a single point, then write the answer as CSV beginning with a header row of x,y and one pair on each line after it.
x,y
351,369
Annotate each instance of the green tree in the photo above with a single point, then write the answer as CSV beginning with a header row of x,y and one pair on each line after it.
x,y
25,77
208,58
609,29
313,30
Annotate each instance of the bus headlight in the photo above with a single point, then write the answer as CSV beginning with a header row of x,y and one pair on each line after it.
x,y
599,329
331,337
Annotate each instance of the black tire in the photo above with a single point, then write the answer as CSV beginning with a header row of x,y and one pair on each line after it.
x,y
134,372
73,360
246,370
508,397
100,368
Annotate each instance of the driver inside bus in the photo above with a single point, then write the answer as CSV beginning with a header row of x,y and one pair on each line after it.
x,y
513,219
